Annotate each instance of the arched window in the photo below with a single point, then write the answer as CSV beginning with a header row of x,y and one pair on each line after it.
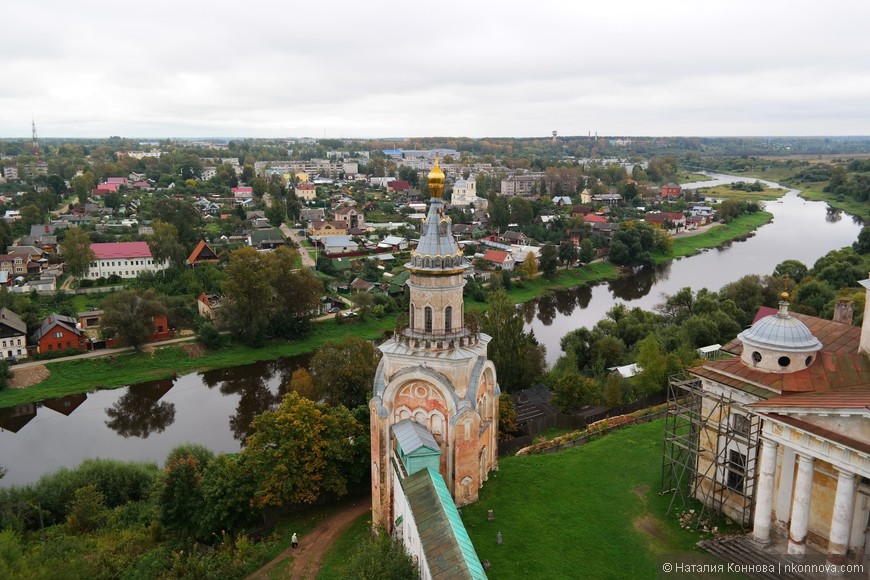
x,y
428,318
448,319
412,315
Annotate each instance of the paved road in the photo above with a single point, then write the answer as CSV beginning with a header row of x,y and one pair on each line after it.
x,y
307,260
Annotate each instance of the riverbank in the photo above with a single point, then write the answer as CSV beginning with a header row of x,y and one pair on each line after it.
x,y
80,376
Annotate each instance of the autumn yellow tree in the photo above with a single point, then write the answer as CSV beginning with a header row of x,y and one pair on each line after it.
x,y
302,450
530,266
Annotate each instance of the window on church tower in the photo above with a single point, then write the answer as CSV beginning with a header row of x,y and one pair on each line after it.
x,y
428,319
448,318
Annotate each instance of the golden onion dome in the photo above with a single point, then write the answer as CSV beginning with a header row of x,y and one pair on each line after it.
x,y
436,180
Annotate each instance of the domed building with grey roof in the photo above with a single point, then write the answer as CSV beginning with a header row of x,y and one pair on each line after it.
x,y
779,343
777,437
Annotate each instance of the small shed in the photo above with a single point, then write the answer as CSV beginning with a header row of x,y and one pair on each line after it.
x,y
416,447
711,351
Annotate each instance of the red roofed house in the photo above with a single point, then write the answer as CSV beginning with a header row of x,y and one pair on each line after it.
x,y
105,188
306,191
499,259
782,430
201,254
671,190
591,218
673,222
117,181
243,192
398,185
58,332
124,259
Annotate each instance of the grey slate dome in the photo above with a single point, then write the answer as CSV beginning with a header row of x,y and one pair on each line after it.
x,y
779,343
780,332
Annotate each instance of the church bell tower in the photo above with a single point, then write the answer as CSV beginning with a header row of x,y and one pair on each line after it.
x,y
435,372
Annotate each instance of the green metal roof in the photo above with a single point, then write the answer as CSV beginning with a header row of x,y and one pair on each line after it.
x,y
445,541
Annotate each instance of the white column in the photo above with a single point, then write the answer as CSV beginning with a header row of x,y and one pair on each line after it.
x,y
800,509
786,482
841,518
764,494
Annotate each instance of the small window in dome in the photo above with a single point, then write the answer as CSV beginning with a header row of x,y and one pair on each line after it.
x,y
784,361
756,357
809,361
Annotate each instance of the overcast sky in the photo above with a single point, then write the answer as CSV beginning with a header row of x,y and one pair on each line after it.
x,y
379,69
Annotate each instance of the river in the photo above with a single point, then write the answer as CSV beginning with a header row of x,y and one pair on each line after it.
x,y
801,230
144,422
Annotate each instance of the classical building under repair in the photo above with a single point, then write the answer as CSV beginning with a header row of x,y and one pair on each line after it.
x,y
778,437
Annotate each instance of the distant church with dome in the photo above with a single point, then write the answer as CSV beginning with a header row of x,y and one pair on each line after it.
x,y
777,437
434,413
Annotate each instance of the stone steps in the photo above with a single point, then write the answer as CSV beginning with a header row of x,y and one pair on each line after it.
x,y
742,551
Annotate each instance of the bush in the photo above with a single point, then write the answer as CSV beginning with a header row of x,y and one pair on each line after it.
x,y
209,337
87,511
119,482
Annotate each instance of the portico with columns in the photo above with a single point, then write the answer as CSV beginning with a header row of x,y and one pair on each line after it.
x,y
809,480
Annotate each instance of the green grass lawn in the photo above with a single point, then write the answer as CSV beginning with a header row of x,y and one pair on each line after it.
x,y
716,236
723,191
589,512
336,560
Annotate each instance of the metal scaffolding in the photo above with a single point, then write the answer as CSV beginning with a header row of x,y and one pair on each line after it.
x,y
710,452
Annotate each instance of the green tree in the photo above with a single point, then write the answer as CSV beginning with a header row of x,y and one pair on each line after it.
x,y
5,377
259,186
517,355
549,261
180,496
76,251
275,213
130,315
302,450
165,245
614,391
295,293
345,371
813,296
572,391
181,214
380,557
247,288
83,184
567,254
88,511
794,269
862,244
30,215
656,366
227,491
587,251
507,417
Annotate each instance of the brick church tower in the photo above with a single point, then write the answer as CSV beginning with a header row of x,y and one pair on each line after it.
x,y
434,374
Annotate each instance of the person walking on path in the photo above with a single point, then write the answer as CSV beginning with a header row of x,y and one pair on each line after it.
x,y
294,541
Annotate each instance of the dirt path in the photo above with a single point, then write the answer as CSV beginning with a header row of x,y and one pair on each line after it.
x,y
314,545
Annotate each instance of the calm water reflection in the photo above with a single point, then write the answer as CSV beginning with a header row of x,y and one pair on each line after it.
x,y
142,422
801,230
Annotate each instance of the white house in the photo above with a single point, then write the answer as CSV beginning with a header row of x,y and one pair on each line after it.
x,y
124,259
338,245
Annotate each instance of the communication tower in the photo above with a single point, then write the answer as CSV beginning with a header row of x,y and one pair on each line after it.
x,y
34,145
